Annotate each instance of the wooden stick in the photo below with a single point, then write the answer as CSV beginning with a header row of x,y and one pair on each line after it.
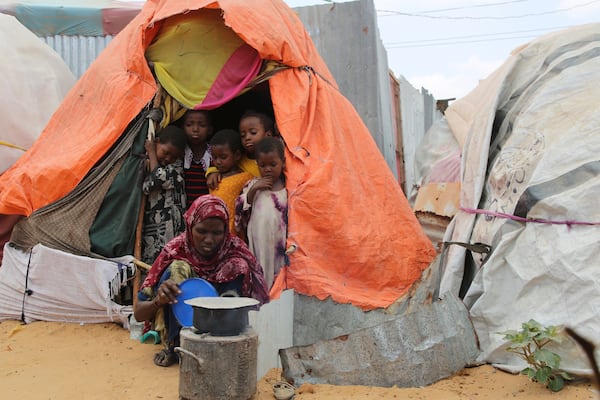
x,y
137,251
155,104
158,95
142,264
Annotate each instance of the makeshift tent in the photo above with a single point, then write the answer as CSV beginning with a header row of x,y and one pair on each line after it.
x,y
34,82
530,139
351,234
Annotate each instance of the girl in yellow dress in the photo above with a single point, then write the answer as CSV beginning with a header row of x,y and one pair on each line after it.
x,y
226,150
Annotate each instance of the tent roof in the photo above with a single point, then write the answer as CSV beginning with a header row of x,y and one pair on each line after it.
x,y
356,237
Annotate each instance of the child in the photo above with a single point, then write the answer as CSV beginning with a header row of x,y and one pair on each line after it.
x,y
198,128
226,150
253,127
261,209
164,187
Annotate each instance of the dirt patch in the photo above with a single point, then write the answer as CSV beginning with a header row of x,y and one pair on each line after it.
x,y
46,360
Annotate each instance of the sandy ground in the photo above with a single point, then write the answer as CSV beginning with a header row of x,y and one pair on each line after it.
x,y
46,360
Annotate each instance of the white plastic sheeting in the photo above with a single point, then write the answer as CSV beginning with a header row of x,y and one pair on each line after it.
x,y
437,158
51,285
34,81
530,135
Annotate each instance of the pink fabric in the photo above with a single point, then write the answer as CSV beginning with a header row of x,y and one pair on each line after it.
x,y
445,170
115,19
243,65
231,260
569,223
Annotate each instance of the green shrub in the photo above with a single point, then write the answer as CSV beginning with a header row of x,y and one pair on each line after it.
x,y
528,343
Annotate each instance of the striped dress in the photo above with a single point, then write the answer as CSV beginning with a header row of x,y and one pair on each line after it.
x,y
195,175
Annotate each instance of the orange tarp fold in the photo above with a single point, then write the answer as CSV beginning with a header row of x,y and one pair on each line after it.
x,y
363,244
356,238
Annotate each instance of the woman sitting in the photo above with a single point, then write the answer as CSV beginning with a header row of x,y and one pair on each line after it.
x,y
206,250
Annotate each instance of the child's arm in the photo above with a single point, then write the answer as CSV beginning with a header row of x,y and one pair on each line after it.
x,y
151,151
265,183
244,202
213,178
243,208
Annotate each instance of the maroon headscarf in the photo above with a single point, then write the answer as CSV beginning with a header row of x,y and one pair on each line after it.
x,y
231,260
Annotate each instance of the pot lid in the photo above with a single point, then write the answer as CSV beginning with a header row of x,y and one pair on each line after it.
x,y
221,303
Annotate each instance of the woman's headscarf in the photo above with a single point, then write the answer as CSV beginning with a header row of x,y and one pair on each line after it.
x,y
232,259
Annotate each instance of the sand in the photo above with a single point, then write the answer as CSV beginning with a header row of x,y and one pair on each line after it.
x,y
45,360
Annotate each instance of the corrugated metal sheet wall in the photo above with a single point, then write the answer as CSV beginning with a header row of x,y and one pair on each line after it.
x,y
347,37
418,111
78,51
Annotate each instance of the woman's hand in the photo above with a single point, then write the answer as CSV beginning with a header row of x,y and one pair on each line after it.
x,y
167,293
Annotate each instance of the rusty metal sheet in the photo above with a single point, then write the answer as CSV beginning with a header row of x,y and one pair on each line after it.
x,y
416,349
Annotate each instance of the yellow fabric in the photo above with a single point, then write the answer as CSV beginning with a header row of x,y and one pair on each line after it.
x,y
249,165
185,74
172,110
211,170
229,189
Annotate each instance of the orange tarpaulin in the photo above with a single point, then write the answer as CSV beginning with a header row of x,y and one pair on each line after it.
x,y
355,235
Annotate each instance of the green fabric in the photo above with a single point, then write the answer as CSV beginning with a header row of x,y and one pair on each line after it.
x,y
113,232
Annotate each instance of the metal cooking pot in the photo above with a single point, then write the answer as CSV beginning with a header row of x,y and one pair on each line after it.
x,y
221,316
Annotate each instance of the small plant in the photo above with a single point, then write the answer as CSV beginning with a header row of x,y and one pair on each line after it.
x,y
528,343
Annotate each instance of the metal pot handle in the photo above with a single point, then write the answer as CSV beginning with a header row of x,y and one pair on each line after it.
x,y
182,351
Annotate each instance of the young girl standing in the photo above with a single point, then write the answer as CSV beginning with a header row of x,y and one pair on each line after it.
x,y
198,128
164,190
226,150
261,209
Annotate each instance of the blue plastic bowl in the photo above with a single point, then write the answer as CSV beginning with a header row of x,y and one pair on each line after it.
x,y
190,288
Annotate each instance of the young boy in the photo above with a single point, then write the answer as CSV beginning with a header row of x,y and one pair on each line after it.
x,y
164,190
226,150
254,127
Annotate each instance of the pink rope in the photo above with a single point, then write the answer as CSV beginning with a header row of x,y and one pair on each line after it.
x,y
569,223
